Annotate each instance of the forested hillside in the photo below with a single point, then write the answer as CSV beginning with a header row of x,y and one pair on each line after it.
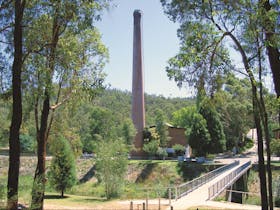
x,y
79,121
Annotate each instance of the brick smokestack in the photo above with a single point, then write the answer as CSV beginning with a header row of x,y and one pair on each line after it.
x,y
138,108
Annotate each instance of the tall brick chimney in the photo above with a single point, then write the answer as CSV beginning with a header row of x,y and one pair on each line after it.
x,y
138,104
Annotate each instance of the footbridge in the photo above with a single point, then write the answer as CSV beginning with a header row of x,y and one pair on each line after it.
x,y
202,190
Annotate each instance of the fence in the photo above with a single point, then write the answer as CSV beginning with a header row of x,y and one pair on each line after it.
x,y
219,186
190,186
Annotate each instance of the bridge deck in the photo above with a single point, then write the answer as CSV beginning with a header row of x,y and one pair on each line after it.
x,y
199,197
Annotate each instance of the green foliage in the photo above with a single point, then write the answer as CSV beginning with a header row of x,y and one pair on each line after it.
x,y
111,165
150,134
179,149
183,117
128,131
5,121
214,126
235,108
275,146
161,128
161,152
62,174
27,143
151,147
199,136
101,122
277,192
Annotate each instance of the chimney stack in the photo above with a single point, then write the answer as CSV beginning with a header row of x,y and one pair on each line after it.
x,y
138,107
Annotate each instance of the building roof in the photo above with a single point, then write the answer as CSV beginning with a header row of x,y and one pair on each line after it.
x,y
168,125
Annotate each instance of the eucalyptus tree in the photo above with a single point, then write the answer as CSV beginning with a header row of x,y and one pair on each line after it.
x,y
11,29
64,49
234,105
206,31
269,11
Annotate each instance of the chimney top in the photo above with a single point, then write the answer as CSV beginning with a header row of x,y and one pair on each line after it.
x,y
137,12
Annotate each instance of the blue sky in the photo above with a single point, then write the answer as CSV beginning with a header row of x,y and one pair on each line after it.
x,y
160,44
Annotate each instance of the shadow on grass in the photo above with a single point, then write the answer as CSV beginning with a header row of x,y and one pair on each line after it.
x,y
96,199
146,172
88,175
55,197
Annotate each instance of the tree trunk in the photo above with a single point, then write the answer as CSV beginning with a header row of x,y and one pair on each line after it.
x,y
38,188
268,152
262,169
264,119
62,193
14,143
272,51
257,119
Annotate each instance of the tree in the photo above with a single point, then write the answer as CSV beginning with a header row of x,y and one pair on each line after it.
x,y
111,165
102,122
214,127
269,14
183,117
128,132
14,143
62,174
64,51
233,103
199,136
205,26
161,128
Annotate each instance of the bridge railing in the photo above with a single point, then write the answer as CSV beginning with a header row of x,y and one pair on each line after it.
x,y
190,186
219,186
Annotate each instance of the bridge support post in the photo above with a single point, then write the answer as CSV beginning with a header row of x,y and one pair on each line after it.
x,y
229,194
241,186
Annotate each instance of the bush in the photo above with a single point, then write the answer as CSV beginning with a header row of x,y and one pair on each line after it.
x,y
151,147
62,172
179,149
161,152
275,147
27,143
111,166
277,202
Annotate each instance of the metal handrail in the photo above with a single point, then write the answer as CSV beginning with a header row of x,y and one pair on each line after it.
x,y
190,186
219,186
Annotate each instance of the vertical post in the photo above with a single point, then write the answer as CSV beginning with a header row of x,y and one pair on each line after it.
x,y
176,193
138,109
143,205
169,195
159,202
131,205
147,199
230,194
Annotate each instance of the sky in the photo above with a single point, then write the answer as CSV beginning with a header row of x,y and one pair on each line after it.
x,y
160,43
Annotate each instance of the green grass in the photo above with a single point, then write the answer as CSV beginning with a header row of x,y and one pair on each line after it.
x,y
275,163
147,178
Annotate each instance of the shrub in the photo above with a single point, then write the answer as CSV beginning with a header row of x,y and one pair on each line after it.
x,y
27,143
111,166
62,172
179,149
275,146
161,152
151,147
